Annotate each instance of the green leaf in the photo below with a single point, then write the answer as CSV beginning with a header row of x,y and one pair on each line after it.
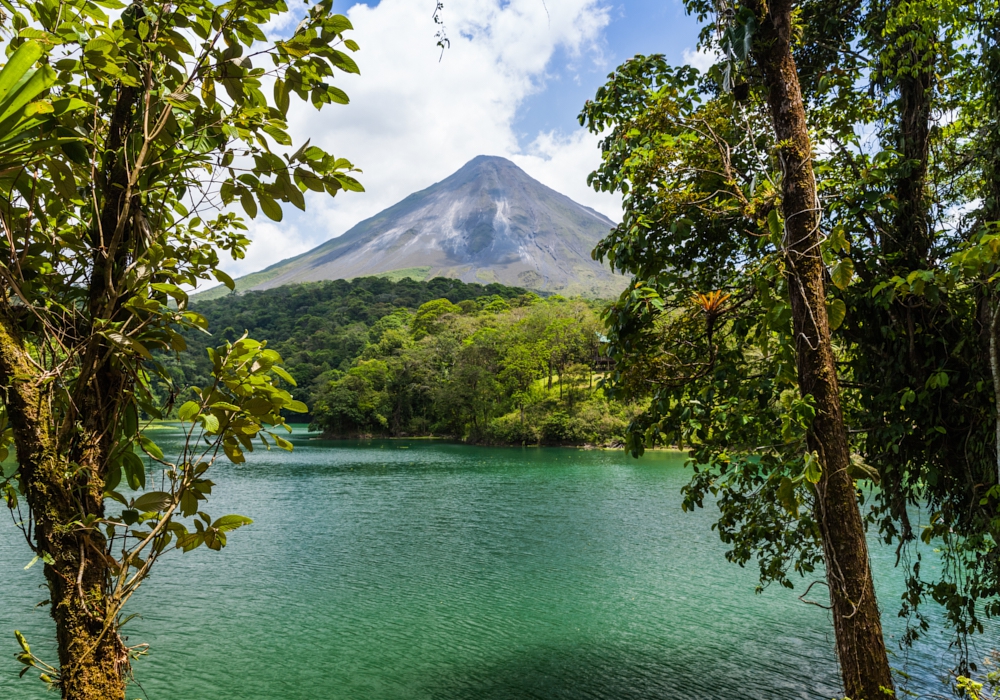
x,y
279,135
774,224
842,273
258,407
786,496
297,407
18,65
224,278
344,62
130,420
271,208
153,501
62,178
813,471
188,411
337,95
228,523
17,633
282,442
283,374
249,206
150,447
209,422
135,470
233,451
836,311
184,101
281,95
127,343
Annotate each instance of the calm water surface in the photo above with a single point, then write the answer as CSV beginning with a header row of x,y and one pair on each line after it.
x,y
422,570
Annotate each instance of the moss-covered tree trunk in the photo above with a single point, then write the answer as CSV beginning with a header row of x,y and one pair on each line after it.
x,y
63,459
61,492
92,658
857,623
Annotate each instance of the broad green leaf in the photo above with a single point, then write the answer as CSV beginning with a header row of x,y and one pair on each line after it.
x,y
283,374
813,471
836,311
135,470
188,411
224,278
113,477
17,66
228,523
153,501
786,495
842,273
337,95
150,447
209,422
271,208
20,96
249,206
774,224
234,453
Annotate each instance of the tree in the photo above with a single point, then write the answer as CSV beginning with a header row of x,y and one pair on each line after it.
x,y
907,236
126,206
722,235
857,623
426,320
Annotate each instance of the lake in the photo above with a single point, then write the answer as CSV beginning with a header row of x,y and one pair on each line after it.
x,y
422,570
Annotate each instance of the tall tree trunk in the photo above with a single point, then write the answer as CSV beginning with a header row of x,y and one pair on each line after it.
x,y
92,659
63,461
908,243
995,372
857,623
991,194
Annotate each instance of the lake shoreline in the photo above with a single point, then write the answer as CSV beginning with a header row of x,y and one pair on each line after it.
x,y
458,441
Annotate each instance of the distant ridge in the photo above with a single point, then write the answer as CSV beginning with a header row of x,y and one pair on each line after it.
x,y
488,222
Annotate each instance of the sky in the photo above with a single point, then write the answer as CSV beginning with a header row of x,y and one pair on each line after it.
x,y
512,83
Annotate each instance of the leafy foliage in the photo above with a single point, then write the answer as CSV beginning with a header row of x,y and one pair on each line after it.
x,y
519,371
909,213
129,134
317,327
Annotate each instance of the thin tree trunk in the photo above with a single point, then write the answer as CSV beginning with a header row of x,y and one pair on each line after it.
x,y
991,195
857,623
995,371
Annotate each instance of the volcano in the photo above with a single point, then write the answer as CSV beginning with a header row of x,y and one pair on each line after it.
x,y
488,222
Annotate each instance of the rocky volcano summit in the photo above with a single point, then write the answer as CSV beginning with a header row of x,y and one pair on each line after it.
x,y
488,222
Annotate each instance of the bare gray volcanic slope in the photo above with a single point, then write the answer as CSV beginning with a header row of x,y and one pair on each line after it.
x,y
488,222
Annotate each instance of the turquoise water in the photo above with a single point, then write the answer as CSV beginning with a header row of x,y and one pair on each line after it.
x,y
429,571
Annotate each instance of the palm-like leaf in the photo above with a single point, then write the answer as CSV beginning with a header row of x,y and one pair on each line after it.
x,y
21,83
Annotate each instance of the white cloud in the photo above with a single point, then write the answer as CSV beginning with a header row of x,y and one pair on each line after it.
x,y
413,120
563,162
701,58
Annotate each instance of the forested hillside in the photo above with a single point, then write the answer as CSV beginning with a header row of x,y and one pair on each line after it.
x,y
371,356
